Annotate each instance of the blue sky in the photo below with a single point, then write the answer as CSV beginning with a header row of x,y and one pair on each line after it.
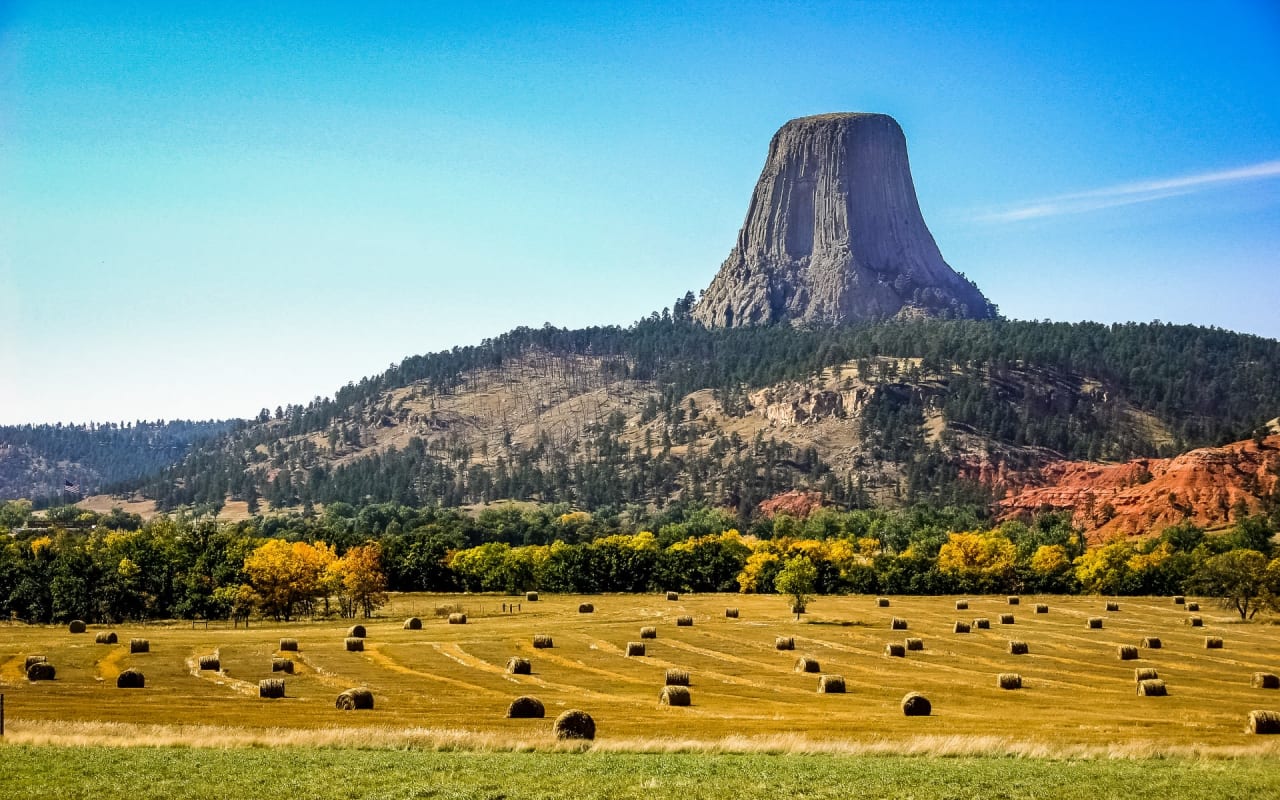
x,y
209,210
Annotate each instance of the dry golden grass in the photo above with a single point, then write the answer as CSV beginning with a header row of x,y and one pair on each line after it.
x,y
446,686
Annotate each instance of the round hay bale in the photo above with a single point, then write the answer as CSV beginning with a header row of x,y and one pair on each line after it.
x,y
139,646
982,623
1266,722
1017,648
962,605
1212,643
1195,622
574,724
355,632
1145,674
635,649
41,671
673,596
288,645
895,650
831,684
1152,642
1179,600
1006,619
684,622
282,665
677,677
784,643
1193,606
519,666
675,696
271,688
542,641
960,627
106,637
586,608
354,644
1094,623
1153,687
132,679
531,597
77,626
33,660
457,618
797,609
1009,680
731,613
358,699
1113,606
1042,608
1265,680
210,662
807,664
413,624
898,624
1013,600
914,644
882,602
526,707
1127,652
915,704
648,632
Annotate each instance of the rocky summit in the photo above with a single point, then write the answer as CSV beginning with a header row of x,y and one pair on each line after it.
x,y
834,234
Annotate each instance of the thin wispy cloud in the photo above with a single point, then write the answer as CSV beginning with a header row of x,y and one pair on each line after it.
x,y
1125,194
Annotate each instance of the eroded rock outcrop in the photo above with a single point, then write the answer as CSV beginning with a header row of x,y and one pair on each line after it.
x,y
834,234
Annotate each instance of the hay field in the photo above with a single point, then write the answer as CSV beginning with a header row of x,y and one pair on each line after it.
x,y
446,685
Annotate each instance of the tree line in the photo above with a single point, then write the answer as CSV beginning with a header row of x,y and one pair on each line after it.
x,y
75,564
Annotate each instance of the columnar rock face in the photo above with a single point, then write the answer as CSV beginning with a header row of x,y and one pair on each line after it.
x,y
834,234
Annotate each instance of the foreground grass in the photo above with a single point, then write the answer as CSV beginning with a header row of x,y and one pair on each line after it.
x,y
141,773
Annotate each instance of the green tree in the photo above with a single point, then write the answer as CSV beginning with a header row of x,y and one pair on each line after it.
x,y
796,580
1239,579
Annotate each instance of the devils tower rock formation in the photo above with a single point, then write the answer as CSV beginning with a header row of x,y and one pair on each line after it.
x,y
834,234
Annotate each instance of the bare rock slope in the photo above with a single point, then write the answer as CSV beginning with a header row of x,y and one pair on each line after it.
x,y
834,234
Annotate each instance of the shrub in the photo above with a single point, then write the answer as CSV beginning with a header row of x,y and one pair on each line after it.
x,y
526,707
574,724
355,700
271,688
915,704
675,696
131,679
519,666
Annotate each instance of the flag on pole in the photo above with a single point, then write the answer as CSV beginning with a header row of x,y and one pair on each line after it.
x,y
68,486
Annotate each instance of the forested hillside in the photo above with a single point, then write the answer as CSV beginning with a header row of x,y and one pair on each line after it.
x,y
666,409
38,461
